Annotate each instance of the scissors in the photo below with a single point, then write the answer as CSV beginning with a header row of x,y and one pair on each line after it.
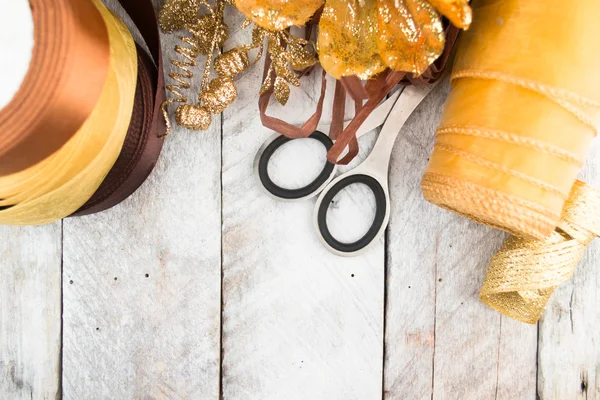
x,y
372,172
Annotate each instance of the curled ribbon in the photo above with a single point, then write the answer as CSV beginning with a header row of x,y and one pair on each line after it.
x,y
524,273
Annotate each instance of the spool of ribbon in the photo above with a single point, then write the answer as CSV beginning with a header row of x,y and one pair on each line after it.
x,y
146,133
525,272
51,104
519,120
61,183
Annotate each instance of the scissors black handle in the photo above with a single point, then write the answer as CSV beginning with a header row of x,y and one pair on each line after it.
x,y
293,194
378,222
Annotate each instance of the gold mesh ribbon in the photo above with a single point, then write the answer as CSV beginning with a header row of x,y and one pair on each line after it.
x,y
525,272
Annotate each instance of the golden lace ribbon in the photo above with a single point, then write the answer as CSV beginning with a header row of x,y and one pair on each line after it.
x,y
525,272
58,185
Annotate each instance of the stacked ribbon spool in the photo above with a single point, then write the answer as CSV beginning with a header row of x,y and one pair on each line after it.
x,y
82,132
513,137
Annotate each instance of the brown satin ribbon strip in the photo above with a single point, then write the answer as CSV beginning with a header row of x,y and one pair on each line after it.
x,y
146,132
65,78
281,126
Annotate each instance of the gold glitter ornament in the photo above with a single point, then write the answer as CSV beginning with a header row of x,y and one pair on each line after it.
x,y
347,41
176,14
194,117
206,29
277,15
232,62
411,35
219,94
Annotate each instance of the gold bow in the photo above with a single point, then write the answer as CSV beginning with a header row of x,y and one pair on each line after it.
x,y
525,272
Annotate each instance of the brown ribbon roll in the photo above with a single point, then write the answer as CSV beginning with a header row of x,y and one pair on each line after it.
x,y
62,86
147,128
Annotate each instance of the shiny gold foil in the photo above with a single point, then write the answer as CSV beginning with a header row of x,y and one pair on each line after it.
x,y
525,272
277,15
410,36
348,39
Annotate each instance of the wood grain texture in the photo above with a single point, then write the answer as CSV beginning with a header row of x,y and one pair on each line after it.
x,y
30,310
298,322
441,341
142,282
569,345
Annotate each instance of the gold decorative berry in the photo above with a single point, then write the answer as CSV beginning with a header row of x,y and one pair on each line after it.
x,y
193,117
219,94
232,62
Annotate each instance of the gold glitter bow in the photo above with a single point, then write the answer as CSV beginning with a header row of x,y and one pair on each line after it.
x,y
206,34
524,273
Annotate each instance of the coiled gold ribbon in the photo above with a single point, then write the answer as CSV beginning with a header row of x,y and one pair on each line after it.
x,y
58,185
525,272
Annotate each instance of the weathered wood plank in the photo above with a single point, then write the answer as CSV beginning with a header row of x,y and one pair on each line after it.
x,y
298,322
142,282
30,257
30,312
441,341
569,349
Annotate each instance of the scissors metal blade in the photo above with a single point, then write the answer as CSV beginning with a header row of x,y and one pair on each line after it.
x,y
379,115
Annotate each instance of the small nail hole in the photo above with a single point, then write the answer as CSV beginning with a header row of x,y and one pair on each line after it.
x,y
409,287
71,282
352,275
439,280
147,275
115,278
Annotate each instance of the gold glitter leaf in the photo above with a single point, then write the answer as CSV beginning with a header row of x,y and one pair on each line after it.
x,y
347,41
411,35
277,15
299,56
176,14
203,32
281,90
457,11
268,82
289,76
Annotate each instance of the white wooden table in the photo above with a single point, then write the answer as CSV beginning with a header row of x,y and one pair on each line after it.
x,y
200,286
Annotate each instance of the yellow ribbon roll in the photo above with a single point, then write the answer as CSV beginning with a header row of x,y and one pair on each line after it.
x,y
525,272
521,115
57,186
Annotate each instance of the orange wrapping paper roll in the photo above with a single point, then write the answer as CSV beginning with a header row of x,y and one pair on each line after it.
x,y
520,118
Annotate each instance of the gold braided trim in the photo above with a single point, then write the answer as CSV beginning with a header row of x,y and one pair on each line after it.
x,y
490,207
524,273
566,99
499,167
513,138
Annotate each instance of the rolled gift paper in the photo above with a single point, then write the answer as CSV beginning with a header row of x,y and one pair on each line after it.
x,y
520,117
525,272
